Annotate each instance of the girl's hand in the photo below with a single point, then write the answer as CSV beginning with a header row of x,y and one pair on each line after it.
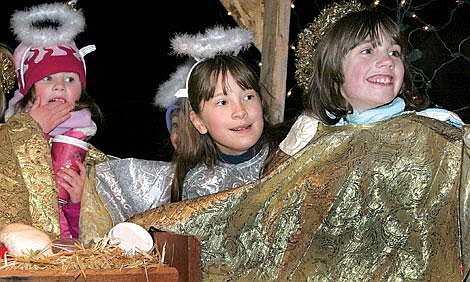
x,y
51,114
72,182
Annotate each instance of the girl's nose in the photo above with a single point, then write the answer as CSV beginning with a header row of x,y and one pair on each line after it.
x,y
385,61
239,111
59,85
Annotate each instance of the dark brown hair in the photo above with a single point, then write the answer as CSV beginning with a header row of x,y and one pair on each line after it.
x,y
324,95
195,147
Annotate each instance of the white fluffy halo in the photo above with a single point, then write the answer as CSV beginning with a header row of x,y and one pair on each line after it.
x,y
214,41
69,24
166,91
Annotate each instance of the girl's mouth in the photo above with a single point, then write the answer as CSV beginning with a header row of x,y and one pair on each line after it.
x,y
381,79
57,100
241,128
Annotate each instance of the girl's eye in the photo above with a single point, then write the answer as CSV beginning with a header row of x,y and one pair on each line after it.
x,y
249,95
69,79
221,103
395,53
366,51
47,78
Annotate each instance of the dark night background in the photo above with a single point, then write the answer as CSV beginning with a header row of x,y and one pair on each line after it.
x,y
132,59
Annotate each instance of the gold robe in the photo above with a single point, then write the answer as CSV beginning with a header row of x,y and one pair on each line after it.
x,y
359,203
28,190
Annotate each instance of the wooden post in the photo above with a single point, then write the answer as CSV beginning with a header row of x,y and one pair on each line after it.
x,y
270,24
274,56
248,14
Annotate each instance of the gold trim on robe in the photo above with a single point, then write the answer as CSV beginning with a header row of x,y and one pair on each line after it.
x,y
27,176
28,190
359,203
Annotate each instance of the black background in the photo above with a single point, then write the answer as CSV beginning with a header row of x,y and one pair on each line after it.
x,y
132,59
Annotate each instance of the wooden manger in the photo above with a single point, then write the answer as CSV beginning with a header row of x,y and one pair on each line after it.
x,y
181,263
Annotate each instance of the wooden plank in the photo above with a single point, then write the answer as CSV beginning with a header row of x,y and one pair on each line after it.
x,y
181,252
165,274
248,14
274,56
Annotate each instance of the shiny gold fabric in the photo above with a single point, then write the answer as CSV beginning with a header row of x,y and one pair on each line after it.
x,y
26,176
28,191
359,203
95,220
7,70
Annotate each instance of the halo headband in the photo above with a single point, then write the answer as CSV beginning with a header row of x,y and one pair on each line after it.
x,y
215,41
47,32
183,92
314,32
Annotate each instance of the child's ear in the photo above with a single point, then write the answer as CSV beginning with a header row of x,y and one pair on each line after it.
x,y
197,122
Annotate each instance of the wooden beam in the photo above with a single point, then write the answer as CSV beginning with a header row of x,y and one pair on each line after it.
x,y
248,14
269,20
274,56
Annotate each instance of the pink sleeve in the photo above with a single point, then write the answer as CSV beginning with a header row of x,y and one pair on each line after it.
x,y
72,214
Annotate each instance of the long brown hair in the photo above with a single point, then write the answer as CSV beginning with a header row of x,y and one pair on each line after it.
x,y
324,95
195,147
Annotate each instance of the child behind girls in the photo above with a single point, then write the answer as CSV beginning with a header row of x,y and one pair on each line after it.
x,y
51,98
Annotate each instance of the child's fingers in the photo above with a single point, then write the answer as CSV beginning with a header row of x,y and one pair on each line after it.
x,y
72,182
59,111
68,175
82,169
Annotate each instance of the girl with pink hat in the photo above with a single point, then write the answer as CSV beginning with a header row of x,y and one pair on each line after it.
x,y
51,100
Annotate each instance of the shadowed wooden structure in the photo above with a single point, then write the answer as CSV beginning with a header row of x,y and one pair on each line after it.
x,y
269,20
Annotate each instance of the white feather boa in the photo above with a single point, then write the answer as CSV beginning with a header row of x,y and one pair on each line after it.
x,y
214,41
27,24
166,91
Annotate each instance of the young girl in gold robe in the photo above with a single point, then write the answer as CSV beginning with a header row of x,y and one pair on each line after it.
x,y
364,190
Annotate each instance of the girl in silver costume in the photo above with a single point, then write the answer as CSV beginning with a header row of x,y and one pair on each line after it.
x,y
224,139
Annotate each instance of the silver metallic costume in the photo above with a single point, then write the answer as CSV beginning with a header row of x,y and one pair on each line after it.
x,y
201,180
130,186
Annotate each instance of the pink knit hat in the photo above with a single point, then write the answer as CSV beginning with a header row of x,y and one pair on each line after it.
x,y
43,61
47,45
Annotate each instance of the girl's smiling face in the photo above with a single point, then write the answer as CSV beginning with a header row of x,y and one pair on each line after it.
x,y
373,75
62,87
233,120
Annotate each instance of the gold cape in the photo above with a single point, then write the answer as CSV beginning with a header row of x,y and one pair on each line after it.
x,y
28,191
359,203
